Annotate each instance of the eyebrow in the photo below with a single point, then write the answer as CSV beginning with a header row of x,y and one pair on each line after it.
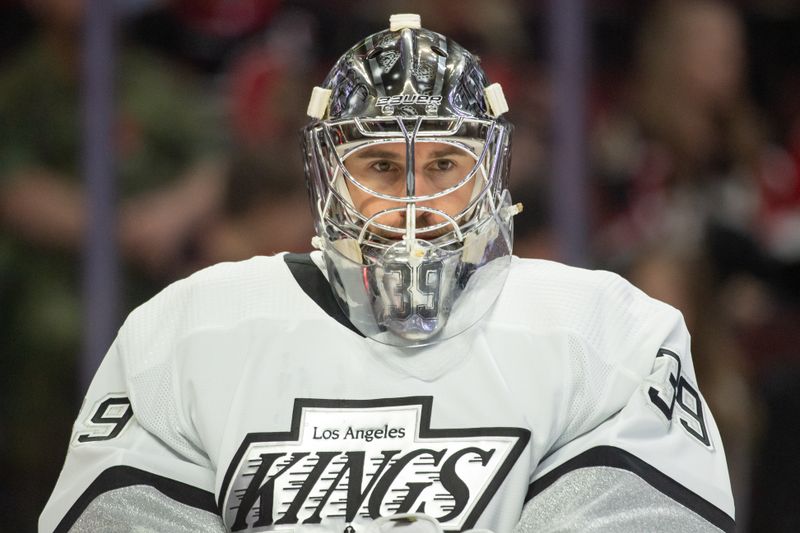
x,y
377,153
450,150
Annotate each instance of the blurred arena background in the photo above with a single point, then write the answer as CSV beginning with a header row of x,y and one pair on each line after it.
x,y
658,139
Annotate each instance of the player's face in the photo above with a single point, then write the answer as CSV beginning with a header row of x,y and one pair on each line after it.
x,y
438,166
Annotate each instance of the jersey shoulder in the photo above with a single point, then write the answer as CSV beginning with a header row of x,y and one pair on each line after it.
x,y
601,309
218,297
603,333
538,274
222,291
150,353
572,294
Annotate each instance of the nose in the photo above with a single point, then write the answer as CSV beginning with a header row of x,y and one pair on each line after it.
x,y
422,185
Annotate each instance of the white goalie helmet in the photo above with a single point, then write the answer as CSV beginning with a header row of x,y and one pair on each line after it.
x,y
407,158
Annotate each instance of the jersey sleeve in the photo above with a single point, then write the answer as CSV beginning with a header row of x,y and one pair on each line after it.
x,y
641,450
120,476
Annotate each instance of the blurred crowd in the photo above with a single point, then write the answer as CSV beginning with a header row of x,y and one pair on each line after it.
x,y
694,185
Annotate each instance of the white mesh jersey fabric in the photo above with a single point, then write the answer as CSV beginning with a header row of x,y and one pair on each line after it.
x,y
588,376
219,297
607,335
612,330
601,499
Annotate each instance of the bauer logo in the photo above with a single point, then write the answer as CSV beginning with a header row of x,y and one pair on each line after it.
x,y
388,104
366,459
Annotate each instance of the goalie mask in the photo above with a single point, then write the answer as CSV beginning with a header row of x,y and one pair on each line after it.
x,y
407,160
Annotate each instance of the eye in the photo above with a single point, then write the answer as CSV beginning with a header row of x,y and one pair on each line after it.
x,y
443,165
382,166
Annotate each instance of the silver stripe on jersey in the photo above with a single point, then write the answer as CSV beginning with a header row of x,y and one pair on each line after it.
x,y
600,499
142,508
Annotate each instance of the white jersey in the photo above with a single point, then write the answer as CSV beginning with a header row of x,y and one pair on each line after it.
x,y
241,399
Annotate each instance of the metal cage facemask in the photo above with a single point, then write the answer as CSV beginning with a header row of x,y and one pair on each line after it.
x,y
424,265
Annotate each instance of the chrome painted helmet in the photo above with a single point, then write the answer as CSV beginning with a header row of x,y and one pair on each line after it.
x,y
407,160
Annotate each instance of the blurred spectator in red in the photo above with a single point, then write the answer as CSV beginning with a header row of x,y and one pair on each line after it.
x,y
168,182
267,86
681,165
689,152
202,34
225,18
265,203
